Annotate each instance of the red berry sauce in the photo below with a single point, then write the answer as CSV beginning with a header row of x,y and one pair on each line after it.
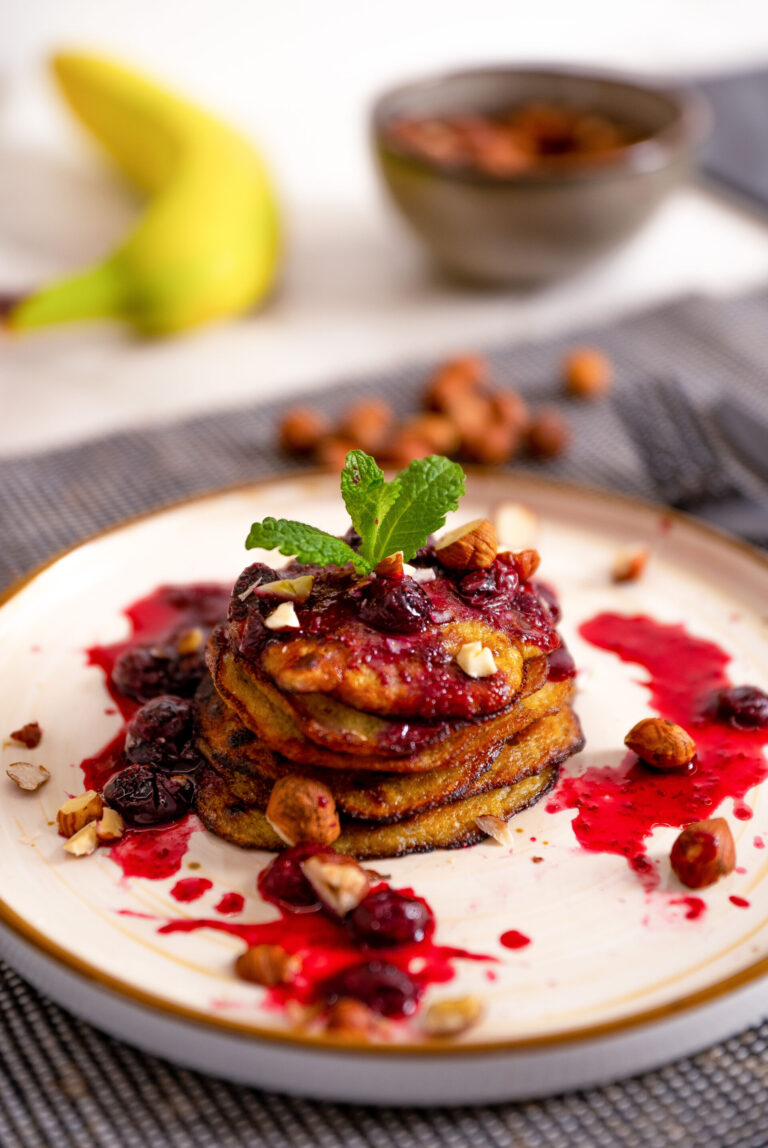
x,y
739,902
230,904
618,806
695,907
513,939
191,888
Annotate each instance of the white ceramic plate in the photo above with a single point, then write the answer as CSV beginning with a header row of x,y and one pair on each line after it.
x,y
616,979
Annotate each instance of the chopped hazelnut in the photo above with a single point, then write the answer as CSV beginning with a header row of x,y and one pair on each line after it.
x,y
190,641
452,1017
349,1017
27,776
84,842
78,812
284,617
29,735
629,565
110,826
476,660
340,883
289,589
495,827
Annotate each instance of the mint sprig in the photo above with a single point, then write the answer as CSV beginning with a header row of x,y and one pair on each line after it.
x,y
388,516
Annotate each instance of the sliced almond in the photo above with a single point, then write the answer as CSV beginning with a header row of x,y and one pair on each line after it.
x,y
26,775
84,842
452,1017
495,827
340,883
79,811
516,526
110,826
476,660
283,618
290,589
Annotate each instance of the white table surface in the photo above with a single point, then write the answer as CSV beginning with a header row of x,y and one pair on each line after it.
x,y
356,290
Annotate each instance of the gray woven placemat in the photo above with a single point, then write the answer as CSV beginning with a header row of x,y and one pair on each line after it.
x,y
64,1083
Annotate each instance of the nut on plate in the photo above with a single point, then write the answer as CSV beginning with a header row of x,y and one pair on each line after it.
x,y
29,735
703,853
495,827
350,1017
452,1017
267,965
27,775
587,373
629,565
472,546
110,826
84,842
339,882
661,744
302,809
78,812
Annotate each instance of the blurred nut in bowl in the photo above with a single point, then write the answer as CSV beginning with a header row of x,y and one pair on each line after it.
x,y
548,434
367,424
505,185
455,379
331,453
302,429
587,373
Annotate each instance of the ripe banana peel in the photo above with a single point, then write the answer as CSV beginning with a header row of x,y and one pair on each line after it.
x,y
207,244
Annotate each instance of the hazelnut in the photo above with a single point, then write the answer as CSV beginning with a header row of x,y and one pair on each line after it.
x,y
703,853
548,434
349,1017
455,379
471,416
629,565
452,1017
302,809
367,424
661,744
84,842
29,735
289,589
392,566
283,617
495,827
510,409
527,563
26,775
492,443
587,373
340,883
438,431
302,430
331,452
404,447
267,965
110,826
79,811
472,546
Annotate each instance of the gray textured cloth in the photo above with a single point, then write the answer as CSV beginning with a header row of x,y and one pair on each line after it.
x,y
64,1083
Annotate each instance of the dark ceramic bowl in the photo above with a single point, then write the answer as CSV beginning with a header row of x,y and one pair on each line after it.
x,y
545,222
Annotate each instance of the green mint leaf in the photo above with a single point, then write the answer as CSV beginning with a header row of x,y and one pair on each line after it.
x,y
307,543
367,497
426,491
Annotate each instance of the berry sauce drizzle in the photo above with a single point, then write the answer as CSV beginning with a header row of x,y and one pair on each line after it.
x,y
618,807
159,618
328,948
513,939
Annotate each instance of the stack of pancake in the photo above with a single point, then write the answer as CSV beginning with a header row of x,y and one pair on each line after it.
x,y
413,749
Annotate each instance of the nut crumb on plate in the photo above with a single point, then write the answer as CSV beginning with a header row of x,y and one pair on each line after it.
x,y
27,775
452,1017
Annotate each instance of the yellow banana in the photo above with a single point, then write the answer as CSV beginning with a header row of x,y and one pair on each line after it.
x,y
207,244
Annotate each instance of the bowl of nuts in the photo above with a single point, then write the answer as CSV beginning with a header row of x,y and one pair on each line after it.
x,y
524,175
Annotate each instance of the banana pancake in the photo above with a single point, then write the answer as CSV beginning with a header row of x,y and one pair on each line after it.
x,y
265,716
232,806
389,646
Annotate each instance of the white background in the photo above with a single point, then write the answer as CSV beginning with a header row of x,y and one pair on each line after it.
x,y
298,77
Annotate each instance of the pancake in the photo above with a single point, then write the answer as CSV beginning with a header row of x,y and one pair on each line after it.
x,y
237,753
231,803
264,714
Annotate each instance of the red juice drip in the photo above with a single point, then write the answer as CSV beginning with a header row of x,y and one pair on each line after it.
x,y
759,843
513,939
694,907
191,888
739,902
154,853
618,807
230,904
98,769
326,948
